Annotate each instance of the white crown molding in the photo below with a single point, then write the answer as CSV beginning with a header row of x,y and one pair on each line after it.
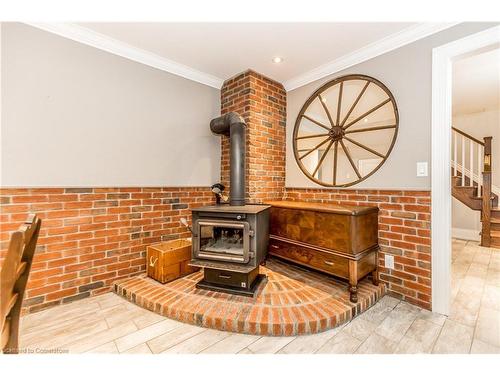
x,y
387,44
91,38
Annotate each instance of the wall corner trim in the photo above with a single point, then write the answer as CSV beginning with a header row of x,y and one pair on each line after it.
x,y
91,38
377,48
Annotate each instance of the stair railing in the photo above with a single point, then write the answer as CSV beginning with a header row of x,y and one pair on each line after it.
x,y
470,155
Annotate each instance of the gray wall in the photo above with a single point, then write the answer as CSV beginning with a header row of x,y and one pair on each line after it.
x,y
407,73
73,115
465,223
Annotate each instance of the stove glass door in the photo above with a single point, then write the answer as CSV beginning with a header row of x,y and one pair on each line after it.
x,y
222,240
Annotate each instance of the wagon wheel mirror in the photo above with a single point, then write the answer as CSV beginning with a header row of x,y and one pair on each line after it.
x,y
345,131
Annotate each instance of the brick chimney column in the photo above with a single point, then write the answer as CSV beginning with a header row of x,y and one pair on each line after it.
x,y
262,103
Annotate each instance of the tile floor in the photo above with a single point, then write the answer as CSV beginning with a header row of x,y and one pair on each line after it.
x,y
110,324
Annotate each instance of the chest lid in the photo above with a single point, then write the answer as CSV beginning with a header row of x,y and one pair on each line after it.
x,y
325,207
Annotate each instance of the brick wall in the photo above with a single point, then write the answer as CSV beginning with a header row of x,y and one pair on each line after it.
x,y
93,236
262,103
404,231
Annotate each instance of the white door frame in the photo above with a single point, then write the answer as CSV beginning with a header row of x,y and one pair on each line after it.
x,y
442,58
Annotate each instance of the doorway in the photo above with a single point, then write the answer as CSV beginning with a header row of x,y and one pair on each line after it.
x,y
442,66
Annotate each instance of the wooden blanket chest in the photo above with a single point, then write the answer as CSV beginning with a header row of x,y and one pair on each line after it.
x,y
337,239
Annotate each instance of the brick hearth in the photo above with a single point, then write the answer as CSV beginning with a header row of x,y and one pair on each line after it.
x,y
294,301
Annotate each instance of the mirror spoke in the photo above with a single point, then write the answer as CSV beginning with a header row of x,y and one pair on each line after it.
x,y
339,102
367,113
322,158
365,147
350,159
315,148
355,103
326,110
335,151
313,136
370,129
316,122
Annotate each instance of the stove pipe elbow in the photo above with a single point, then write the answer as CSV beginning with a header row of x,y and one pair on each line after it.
x,y
233,126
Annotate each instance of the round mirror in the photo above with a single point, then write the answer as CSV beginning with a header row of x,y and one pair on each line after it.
x,y
345,131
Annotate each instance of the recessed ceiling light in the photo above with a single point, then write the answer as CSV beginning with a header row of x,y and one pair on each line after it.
x,y
366,119
277,60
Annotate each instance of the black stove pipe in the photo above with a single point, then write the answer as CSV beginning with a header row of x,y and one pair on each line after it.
x,y
233,126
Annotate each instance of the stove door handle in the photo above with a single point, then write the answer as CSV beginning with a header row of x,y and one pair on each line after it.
x,y
222,276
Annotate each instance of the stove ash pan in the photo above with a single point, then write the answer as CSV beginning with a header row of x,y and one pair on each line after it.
x,y
230,237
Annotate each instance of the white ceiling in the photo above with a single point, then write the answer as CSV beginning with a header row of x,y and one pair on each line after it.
x,y
210,53
476,83
226,49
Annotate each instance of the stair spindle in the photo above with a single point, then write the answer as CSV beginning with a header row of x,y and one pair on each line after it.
x,y
455,161
463,161
471,163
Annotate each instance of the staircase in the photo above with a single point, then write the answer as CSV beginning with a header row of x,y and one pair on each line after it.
x,y
472,183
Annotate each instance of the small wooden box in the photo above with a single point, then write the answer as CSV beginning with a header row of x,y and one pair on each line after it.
x,y
169,260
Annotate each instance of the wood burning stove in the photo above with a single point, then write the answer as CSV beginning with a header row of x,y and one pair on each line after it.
x,y
230,240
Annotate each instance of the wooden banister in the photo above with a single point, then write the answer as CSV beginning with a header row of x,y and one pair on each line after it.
x,y
486,205
464,162
468,136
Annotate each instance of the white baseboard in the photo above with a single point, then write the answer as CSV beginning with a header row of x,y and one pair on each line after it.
x,y
465,234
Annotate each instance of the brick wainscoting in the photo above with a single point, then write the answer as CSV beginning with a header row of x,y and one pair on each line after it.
x,y
91,237
262,103
404,231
